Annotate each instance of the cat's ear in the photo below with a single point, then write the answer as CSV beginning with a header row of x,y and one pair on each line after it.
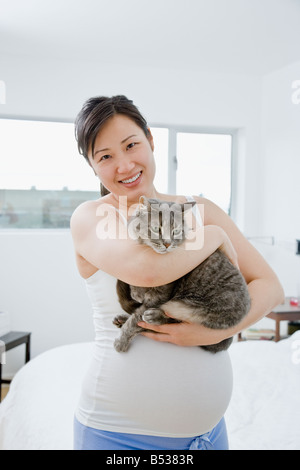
x,y
142,206
187,206
188,216
142,200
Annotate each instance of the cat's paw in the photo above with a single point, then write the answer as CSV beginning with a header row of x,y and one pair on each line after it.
x,y
121,346
155,316
137,294
119,320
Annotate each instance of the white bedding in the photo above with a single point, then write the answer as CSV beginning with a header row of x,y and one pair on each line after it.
x,y
264,412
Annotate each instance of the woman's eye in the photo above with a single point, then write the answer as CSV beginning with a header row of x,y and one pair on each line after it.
x,y
104,157
130,146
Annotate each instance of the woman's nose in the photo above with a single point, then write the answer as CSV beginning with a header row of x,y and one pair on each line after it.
x,y
124,166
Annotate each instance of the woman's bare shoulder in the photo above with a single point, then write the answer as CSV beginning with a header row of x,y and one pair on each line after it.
x,y
86,215
83,208
82,217
211,213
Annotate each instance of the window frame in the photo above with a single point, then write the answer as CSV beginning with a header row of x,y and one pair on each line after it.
x,y
172,158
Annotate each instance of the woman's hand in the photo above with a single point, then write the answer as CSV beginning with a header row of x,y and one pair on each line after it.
x,y
184,334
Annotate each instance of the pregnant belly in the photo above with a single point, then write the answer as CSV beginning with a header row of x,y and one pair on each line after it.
x,y
160,389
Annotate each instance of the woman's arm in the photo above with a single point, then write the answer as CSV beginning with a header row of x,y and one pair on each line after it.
x,y
264,287
138,264
263,293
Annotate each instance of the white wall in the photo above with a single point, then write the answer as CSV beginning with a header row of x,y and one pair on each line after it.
x,y
281,168
39,283
57,90
281,149
42,291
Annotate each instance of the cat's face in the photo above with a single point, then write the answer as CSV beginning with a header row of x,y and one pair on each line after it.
x,y
160,225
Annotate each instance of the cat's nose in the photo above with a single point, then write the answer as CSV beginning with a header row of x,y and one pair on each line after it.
x,y
167,244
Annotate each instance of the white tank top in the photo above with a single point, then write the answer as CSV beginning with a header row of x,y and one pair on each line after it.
x,y
154,388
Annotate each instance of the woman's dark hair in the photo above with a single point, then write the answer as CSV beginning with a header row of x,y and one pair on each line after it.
x,y
95,113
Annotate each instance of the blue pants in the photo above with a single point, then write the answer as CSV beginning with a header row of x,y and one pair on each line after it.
x,y
86,438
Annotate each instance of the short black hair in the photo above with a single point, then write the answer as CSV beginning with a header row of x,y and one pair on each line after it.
x,y
96,112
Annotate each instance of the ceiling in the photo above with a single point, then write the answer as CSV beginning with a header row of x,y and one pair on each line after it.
x,y
230,36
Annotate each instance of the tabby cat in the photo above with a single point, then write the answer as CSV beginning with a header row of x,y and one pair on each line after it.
x,y
214,294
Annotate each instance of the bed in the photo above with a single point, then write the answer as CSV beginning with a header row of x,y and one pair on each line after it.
x,y
264,413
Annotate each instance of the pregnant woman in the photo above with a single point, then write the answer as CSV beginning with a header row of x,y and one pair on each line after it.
x,y
165,392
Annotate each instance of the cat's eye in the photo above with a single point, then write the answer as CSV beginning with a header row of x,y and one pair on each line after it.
x,y
176,231
155,228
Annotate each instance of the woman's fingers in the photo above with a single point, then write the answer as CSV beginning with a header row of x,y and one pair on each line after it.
x,y
157,328
155,332
157,336
184,333
169,332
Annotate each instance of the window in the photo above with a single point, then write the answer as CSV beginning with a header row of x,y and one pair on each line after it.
x,y
161,146
43,178
204,166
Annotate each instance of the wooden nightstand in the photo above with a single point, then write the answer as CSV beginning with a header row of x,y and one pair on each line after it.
x,y
12,340
284,312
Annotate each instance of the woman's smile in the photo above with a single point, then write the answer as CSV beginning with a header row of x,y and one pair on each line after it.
x,y
132,181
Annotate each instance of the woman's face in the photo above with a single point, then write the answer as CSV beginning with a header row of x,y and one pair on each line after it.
x,y
123,158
